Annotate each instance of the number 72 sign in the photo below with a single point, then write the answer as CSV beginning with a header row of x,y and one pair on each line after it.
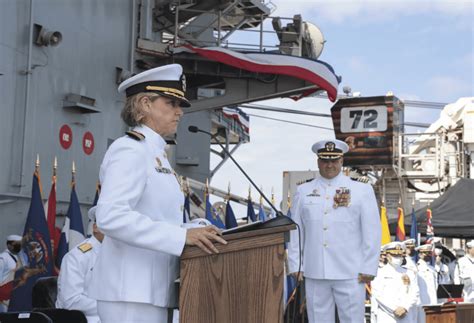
x,y
364,119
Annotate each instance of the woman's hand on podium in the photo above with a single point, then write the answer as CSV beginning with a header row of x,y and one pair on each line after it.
x,y
203,238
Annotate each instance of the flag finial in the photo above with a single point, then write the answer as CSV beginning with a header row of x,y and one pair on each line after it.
x,y
261,197
250,193
37,164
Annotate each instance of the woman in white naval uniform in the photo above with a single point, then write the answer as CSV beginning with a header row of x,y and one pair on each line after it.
x,y
140,205
340,238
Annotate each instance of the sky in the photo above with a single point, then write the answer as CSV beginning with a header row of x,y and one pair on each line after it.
x,y
420,50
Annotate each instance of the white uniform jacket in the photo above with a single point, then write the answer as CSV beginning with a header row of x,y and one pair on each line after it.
x,y
9,263
392,290
466,277
337,243
427,283
140,212
75,275
442,271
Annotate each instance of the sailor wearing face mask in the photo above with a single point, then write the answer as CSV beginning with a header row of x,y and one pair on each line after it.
x,y
9,263
410,254
395,288
441,268
427,279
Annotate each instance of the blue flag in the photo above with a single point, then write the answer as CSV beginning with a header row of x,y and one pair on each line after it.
x,y
73,230
414,233
230,221
261,214
250,212
36,255
212,216
186,209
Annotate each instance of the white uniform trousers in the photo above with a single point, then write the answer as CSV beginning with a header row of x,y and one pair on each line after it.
x,y
129,312
322,295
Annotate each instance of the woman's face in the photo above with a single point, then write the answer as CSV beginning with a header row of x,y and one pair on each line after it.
x,y
162,115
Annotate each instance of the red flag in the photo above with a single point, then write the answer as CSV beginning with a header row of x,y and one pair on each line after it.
x,y
400,235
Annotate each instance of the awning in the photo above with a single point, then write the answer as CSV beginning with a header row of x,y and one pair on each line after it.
x,y
453,213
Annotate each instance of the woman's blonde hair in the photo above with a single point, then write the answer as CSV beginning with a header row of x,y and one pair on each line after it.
x,y
133,112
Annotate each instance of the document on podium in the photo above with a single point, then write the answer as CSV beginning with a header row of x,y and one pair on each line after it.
x,y
244,228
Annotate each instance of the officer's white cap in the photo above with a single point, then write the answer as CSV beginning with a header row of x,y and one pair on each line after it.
x,y
330,149
409,242
395,248
91,213
14,237
470,244
167,80
425,248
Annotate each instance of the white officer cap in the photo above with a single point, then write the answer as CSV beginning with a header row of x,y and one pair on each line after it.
x,y
395,248
426,248
14,237
167,80
409,242
91,213
330,149
470,244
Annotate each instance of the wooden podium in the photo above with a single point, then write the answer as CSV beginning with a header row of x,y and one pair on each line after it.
x,y
243,283
450,313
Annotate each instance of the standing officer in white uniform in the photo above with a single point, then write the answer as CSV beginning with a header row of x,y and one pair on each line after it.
x,y
340,238
441,268
395,288
140,208
466,272
410,253
427,280
9,263
75,274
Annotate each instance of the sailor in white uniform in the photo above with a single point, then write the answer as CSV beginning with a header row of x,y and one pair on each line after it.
x,y
140,208
441,268
410,253
395,288
427,280
466,272
373,302
9,263
340,232
75,274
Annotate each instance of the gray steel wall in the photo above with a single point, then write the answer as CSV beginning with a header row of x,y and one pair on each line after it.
x,y
96,40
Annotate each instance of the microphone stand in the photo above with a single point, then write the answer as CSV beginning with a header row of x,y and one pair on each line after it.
x,y
196,129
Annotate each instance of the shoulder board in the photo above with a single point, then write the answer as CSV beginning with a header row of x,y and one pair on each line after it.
x,y
305,181
85,247
362,179
135,135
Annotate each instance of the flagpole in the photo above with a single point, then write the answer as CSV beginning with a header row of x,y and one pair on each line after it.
x,y
73,177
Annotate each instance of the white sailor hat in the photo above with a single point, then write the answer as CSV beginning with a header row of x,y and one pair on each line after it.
x,y
470,244
395,248
409,242
330,149
167,80
426,248
14,237
91,213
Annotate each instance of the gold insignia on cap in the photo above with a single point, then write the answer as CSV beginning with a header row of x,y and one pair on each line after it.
x,y
330,146
85,247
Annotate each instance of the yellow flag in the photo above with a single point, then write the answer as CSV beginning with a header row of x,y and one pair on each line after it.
x,y
385,228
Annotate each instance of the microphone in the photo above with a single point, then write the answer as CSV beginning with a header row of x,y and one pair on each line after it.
x,y
195,129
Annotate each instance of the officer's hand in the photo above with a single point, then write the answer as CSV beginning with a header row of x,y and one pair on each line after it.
x,y
363,278
400,312
203,237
